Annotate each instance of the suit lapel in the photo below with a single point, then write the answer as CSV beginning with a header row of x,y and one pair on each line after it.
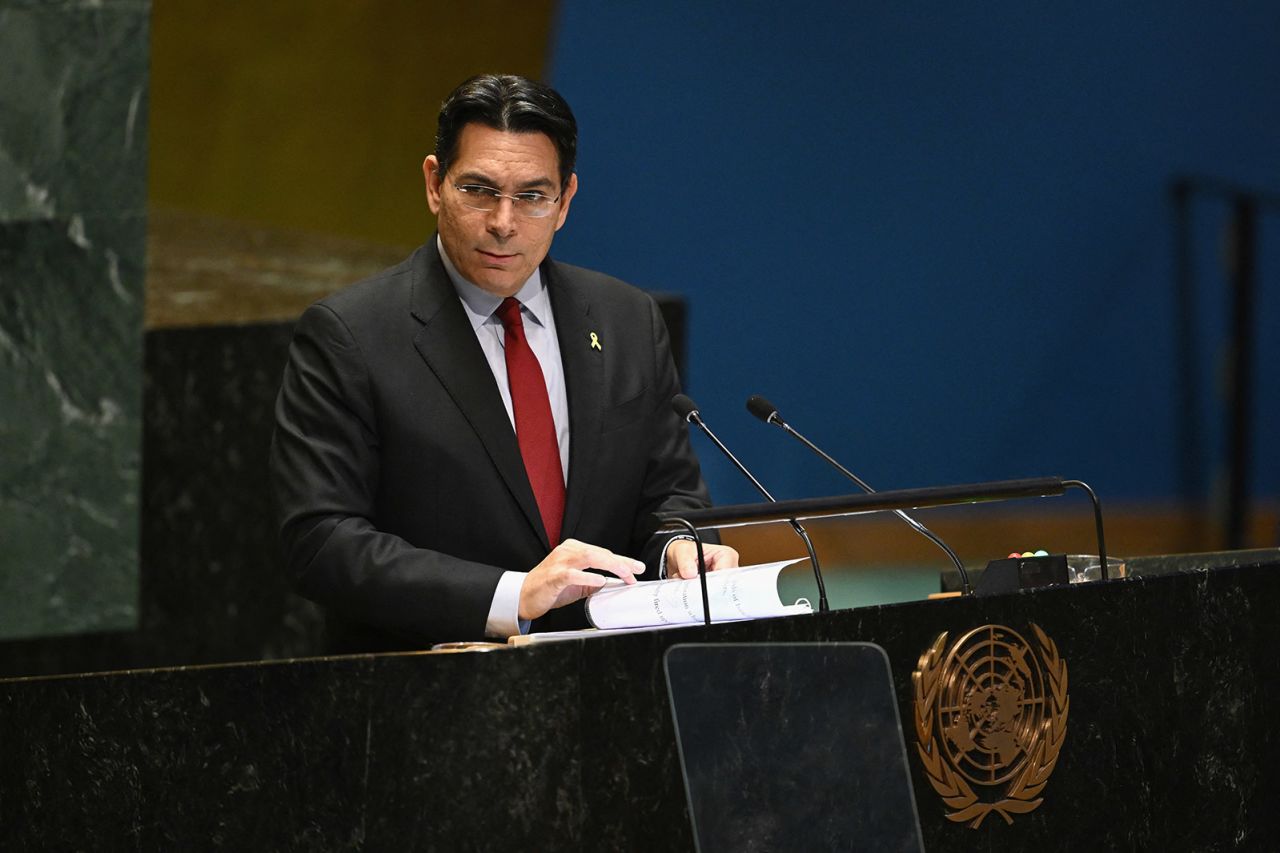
x,y
584,384
448,344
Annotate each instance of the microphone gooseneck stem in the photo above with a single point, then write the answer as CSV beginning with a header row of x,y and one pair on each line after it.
x,y
823,605
694,417
1097,521
702,571
966,589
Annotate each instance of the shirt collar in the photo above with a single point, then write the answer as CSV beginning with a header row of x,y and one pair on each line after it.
x,y
480,304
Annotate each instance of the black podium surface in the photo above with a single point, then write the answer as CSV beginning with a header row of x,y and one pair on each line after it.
x,y
1174,681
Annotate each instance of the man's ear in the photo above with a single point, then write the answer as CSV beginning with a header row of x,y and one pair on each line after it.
x,y
432,177
565,198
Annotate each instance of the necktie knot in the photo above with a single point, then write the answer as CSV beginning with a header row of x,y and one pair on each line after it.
x,y
509,313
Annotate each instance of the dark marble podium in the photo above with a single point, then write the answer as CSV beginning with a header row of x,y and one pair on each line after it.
x,y
1171,743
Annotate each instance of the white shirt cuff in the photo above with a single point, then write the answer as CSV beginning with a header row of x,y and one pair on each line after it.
x,y
504,613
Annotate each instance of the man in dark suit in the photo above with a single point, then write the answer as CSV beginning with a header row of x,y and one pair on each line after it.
x,y
461,437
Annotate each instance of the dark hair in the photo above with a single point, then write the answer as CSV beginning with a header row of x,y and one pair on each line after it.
x,y
511,103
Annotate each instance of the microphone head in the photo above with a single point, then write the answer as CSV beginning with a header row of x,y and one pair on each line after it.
x,y
684,407
763,409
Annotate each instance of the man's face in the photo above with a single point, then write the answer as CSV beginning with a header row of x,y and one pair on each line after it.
x,y
497,250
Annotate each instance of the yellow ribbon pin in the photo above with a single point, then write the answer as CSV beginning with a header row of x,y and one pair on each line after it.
x,y
595,342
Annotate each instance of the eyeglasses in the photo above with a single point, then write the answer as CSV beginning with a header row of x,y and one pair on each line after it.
x,y
534,205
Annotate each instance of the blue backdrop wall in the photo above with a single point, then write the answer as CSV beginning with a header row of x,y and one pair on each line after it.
x,y
940,240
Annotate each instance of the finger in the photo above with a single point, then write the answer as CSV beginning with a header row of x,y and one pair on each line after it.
x,y
577,577
626,572
679,556
722,557
583,556
686,560
683,556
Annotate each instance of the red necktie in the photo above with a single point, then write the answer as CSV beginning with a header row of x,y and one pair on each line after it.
x,y
535,428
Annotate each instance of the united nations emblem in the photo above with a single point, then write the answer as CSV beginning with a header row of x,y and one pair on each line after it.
x,y
991,712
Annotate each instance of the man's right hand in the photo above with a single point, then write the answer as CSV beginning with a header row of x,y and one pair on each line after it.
x,y
562,578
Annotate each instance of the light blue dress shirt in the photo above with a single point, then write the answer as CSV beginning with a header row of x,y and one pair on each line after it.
x,y
540,331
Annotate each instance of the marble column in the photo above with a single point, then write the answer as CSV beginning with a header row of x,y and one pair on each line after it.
x,y
73,168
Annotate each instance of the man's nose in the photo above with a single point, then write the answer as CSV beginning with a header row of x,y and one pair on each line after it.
x,y
502,219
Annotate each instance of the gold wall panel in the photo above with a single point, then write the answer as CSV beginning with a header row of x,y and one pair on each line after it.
x,y
316,116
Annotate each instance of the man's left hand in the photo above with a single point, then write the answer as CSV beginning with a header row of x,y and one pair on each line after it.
x,y
682,558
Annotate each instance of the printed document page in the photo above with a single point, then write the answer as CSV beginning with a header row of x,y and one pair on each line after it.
x,y
750,592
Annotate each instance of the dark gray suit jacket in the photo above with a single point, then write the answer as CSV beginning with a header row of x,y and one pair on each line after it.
x,y
402,492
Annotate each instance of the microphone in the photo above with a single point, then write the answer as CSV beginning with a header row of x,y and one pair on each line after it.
x,y
767,412
688,411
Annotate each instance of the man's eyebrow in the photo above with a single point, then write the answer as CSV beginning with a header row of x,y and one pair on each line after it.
x,y
481,178
536,184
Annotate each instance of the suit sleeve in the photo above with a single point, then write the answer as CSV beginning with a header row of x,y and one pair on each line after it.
x,y
673,479
325,471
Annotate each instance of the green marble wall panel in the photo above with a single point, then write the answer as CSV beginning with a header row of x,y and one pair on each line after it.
x,y
73,166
